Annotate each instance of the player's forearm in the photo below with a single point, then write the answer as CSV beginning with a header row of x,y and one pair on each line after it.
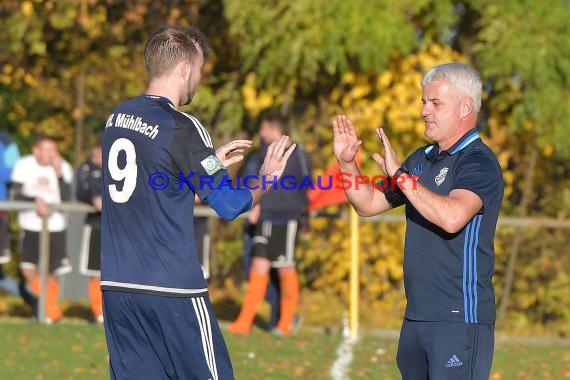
x,y
441,210
256,195
97,202
17,193
363,197
260,188
230,203
64,190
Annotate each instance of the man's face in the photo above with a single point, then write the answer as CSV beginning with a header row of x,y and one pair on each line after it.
x,y
195,75
269,132
45,151
440,110
97,156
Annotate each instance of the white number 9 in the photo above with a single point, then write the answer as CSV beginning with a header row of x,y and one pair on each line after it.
x,y
128,174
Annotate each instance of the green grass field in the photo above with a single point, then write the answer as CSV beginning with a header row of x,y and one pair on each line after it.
x,y
77,351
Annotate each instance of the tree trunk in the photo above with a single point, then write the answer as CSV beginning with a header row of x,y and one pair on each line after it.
x,y
515,246
78,115
289,95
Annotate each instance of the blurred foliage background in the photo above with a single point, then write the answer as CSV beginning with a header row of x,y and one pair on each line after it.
x,y
65,64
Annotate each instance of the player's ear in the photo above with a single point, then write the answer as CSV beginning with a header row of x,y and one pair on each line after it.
x,y
185,69
466,107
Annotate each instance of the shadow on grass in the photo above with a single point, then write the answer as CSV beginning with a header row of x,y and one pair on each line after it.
x,y
78,310
15,307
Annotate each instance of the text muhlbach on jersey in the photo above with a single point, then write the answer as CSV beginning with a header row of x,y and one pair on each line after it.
x,y
134,123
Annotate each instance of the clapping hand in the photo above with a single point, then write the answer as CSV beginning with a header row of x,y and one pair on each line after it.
x,y
389,162
224,153
346,142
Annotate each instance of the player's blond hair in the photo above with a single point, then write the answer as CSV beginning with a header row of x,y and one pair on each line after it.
x,y
166,48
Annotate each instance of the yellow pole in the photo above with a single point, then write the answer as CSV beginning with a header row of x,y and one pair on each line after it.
x,y
354,271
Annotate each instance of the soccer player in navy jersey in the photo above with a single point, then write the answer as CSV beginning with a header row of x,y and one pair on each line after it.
x,y
159,321
452,206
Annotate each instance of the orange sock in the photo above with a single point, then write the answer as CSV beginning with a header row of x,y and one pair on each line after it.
x,y
95,297
53,311
289,298
253,298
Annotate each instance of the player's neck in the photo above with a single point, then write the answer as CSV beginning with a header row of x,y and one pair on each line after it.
x,y
162,87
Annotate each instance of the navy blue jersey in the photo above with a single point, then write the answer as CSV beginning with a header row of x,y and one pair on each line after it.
x,y
155,158
288,199
448,276
89,186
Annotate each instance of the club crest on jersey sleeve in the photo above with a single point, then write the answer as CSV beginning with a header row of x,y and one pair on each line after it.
x,y
211,164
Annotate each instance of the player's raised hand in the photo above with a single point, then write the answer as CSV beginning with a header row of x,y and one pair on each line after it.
x,y
346,142
227,153
278,154
389,162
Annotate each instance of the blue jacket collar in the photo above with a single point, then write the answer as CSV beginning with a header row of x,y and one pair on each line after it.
x,y
431,151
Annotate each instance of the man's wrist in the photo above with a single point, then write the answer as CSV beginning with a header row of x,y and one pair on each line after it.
x,y
400,172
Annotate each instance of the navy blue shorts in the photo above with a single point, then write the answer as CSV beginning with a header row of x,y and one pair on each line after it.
x,y
445,350
157,337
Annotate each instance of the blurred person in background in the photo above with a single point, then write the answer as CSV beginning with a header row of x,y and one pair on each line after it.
x,y
272,293
43,177
88,190
277,221
9,154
